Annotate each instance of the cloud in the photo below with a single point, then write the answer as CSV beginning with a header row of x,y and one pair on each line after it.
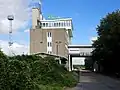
x,y
27,30
18,8
93,39
16,48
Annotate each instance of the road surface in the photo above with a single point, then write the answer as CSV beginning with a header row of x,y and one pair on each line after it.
x,y
93,81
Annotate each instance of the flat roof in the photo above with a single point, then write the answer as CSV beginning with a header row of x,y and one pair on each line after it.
x,y
79,46
61,19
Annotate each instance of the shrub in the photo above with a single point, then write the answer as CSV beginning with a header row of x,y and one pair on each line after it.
x,y
33,73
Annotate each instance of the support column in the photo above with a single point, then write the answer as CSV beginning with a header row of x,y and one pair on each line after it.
x,y
69,63
72,66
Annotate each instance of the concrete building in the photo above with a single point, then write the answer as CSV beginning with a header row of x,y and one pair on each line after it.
x,y
50,36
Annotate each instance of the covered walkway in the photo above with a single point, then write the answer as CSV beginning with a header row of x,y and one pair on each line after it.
x,y
78,51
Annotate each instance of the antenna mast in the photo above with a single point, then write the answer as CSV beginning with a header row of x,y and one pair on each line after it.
x,y
10,18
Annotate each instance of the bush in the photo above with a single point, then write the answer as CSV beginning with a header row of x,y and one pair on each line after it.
x,y
33,73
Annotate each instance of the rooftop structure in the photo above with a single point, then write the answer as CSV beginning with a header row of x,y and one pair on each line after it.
x,y
50,36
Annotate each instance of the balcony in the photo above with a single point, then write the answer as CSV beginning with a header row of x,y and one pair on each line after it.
x,y
57,23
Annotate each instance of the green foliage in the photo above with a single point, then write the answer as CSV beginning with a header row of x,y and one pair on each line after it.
x,y
2,55
88,63
107,46
30,72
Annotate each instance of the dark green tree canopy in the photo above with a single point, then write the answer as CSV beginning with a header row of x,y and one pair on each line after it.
x,y
107,46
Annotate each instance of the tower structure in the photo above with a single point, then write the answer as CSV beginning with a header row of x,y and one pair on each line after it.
x,y
51,36
10,18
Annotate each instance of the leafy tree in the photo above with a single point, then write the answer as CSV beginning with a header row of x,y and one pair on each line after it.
x,y
107,46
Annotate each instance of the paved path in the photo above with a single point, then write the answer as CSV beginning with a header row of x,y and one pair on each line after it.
x,y
93,81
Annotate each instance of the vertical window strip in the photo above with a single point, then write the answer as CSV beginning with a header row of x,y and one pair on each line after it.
x,y
48,44
50,34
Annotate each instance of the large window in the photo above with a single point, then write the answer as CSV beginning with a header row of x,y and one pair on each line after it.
x,y
43,24
49,34
46,24
49,24
59,25
64,24
49,52
49,44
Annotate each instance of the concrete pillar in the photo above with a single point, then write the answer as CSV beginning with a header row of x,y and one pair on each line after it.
x,y
72,66
69,63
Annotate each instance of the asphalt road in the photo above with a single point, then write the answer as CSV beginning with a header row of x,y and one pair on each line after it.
x,y
93,81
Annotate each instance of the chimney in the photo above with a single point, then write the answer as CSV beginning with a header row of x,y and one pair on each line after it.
x,y
35,17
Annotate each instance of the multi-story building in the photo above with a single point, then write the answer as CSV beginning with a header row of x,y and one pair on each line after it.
x,y
50,36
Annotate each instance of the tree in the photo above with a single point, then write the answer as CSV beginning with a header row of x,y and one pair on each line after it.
x,y
2,55
107,46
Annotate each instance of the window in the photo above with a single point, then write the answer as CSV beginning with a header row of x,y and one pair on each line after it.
x,y
49,34
49,52
40,24
48,44
46,24
59,24
43,24
68,23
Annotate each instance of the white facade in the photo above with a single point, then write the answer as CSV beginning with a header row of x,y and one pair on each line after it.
x,y
57,23
49,42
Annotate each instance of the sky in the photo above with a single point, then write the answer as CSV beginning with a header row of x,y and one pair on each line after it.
x,y
86,15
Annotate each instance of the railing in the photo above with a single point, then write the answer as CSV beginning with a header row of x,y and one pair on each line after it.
x,y
56,24
80,53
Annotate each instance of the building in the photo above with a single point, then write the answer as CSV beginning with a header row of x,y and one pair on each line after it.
x,y
50,36
78,54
